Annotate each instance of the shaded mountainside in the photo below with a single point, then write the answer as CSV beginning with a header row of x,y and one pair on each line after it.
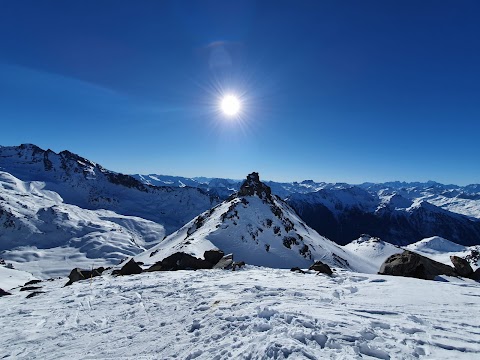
x,y
86,184
258,228
345,214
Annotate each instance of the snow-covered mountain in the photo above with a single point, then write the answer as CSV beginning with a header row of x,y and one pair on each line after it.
x,y
88,185
398,212
258,228
343,214
42,234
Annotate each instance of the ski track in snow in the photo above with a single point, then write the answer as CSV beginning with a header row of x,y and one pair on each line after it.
x,y
256,313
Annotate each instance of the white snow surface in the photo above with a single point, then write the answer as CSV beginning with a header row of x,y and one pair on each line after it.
x,y
41,234
373,250
440,249
248,228
10,278
256,313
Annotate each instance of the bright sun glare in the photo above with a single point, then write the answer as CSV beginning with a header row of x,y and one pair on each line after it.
x,y
230,105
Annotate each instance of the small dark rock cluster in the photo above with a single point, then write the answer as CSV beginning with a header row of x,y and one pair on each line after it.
x,y
213,259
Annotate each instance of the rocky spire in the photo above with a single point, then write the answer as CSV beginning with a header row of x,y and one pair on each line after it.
x,y
253,186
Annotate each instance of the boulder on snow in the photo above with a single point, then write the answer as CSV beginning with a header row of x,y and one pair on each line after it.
x,y
225,263
297,269
180,261
4,293
410,264
78,274
320,267
462,267
476,275
213,256
238,264
130,268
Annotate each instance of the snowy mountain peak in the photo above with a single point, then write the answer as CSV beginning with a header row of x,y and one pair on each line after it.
x,y
252,186
258,228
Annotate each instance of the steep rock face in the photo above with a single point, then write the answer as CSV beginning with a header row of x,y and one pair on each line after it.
x,y
84,183
258,228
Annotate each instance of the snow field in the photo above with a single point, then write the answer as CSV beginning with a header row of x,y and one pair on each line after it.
x,y
256,313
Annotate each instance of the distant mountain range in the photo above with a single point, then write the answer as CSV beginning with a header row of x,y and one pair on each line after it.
x,y
398,212
60,210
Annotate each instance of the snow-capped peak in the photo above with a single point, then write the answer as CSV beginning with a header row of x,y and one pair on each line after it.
x,y
258,228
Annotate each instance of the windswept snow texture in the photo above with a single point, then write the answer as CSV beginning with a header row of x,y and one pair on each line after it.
x,y
41,234
259,232
255,313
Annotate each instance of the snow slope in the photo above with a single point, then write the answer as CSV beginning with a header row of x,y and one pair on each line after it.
x,y
88,185
258,228
10,278
373,250
256,313
41,234
440,249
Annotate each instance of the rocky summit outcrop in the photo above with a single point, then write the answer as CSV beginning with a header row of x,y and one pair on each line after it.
x,y
253,186
410,264
462,267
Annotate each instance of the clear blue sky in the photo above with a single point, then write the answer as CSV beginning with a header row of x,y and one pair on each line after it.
x,y
347,91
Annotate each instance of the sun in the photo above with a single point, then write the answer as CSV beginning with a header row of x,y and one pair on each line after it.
x,y
230,105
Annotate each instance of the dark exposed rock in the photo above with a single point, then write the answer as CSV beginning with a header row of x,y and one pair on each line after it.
x,y
462,267
35,293
4,293
213,256
253,186
30,288
130,268
410,264
238,265
297,269
32,282
320,267
225,263
180,261
476,275
78,274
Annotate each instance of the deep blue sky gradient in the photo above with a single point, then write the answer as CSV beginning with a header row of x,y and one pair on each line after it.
x,y
347,91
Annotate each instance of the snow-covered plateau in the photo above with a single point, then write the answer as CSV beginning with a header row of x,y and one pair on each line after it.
x,y
254,313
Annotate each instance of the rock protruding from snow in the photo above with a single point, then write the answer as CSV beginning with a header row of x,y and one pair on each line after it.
x,y
225,262
130,268
180,261
462,267
410,264
320,267
252,186
4,293
79,274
